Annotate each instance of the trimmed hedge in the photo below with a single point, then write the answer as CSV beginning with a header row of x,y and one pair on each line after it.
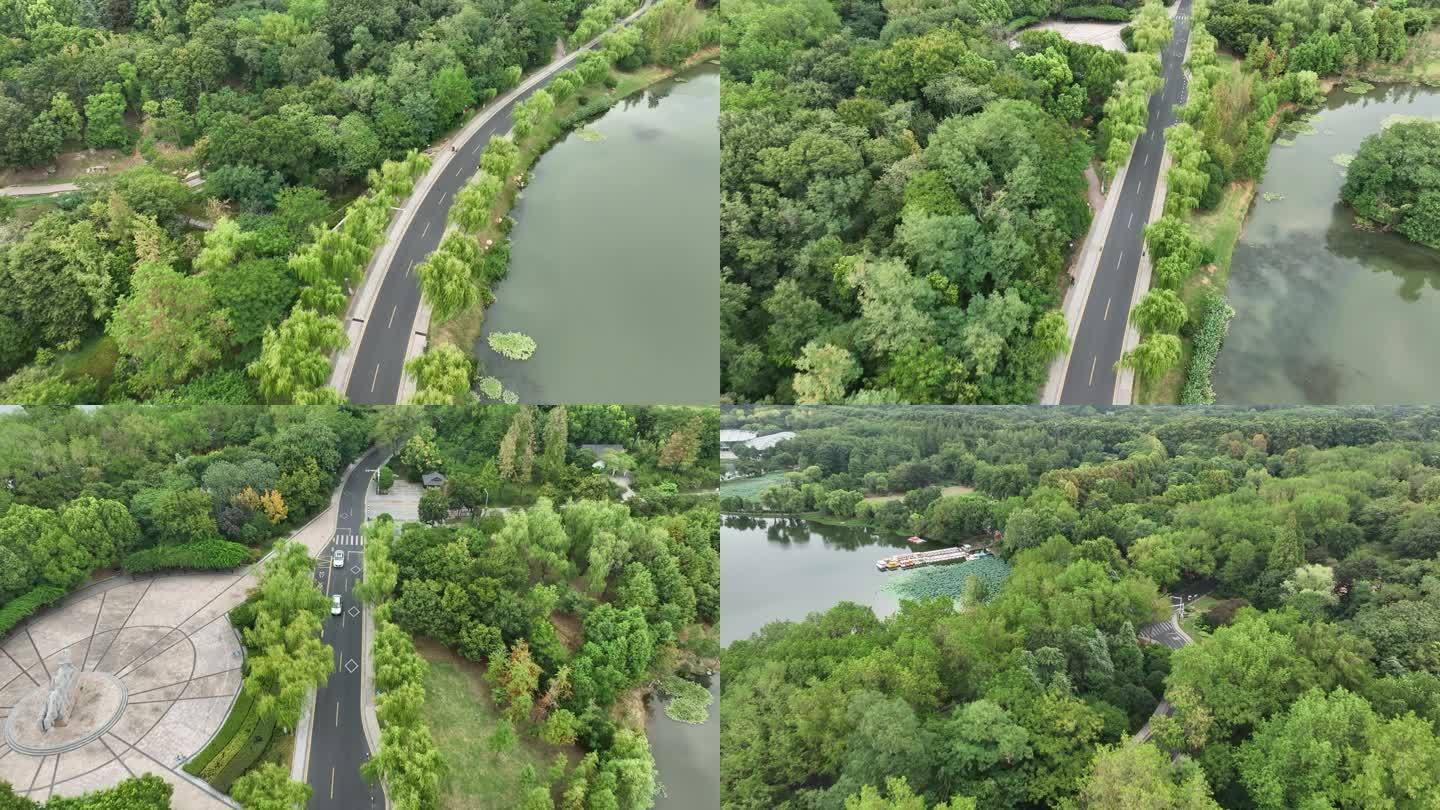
x,y
240,741
244,707
202,555
20,607
1204,349
1101,13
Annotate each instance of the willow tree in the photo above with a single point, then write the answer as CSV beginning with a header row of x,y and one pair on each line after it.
x,y
295,359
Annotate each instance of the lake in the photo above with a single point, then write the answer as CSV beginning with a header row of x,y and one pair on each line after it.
x,y
687,756
779,568
1326,313
615,255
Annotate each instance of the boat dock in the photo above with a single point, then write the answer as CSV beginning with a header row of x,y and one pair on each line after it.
x,y
963,552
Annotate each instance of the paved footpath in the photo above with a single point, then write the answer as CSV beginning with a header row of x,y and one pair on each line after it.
x,y
168,640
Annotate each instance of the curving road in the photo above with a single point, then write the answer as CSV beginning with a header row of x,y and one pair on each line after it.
x,y
337,740
1090,376
1169,634
380,358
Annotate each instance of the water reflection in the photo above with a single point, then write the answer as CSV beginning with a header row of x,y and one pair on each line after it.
x,y
614,257
1327,313
782,568
687,756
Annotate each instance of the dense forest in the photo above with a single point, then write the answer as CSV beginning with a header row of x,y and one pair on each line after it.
x,y
1311,679
303,119
1394,180
157,488
575,606
902,189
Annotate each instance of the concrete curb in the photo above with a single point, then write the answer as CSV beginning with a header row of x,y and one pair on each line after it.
x,y
1125,380
300,754
362,302
368,721
1088,266
420,326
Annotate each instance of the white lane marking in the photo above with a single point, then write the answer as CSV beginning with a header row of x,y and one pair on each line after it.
x,y
409,267
1093,361
392,317
1131,222
337,708
1107,309
1147,159
374,377
427,229
1119,260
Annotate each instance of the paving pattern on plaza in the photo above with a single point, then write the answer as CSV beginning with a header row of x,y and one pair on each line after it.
x,y
169,642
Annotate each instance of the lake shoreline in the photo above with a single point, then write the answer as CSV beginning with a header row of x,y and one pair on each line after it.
x,y
464,330
1227,223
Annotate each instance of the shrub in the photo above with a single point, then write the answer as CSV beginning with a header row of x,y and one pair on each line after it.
x,y
202,555
1101,13
20,607
385,479
1223,613
1204,349
241,740
240,713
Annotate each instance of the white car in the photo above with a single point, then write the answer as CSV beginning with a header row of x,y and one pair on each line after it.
x,y
338,559
335,605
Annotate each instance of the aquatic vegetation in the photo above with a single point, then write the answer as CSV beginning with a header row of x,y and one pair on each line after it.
x,y
949,580
1359,87
689,701
1343,160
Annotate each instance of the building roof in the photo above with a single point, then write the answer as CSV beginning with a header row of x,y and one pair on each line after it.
x,y
732,436
432,479
769,440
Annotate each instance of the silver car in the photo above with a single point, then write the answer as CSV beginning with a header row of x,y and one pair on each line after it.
x,y
338,560
335,605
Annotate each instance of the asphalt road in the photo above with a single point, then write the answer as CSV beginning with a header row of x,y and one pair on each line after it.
x,y
1090,378
380,358
337,742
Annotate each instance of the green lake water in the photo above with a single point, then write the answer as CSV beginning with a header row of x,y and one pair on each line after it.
x,y
784,569
687,756
1325,313
615,256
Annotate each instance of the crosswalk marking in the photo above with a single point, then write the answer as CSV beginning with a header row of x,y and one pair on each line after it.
x,y
349,539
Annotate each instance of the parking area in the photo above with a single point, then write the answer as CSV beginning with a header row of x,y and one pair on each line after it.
x,y
402,502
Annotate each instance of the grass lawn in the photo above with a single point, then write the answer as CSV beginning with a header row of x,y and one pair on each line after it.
x,y
1220,228
751,487
1421,64
462,717
954,489
1191,623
